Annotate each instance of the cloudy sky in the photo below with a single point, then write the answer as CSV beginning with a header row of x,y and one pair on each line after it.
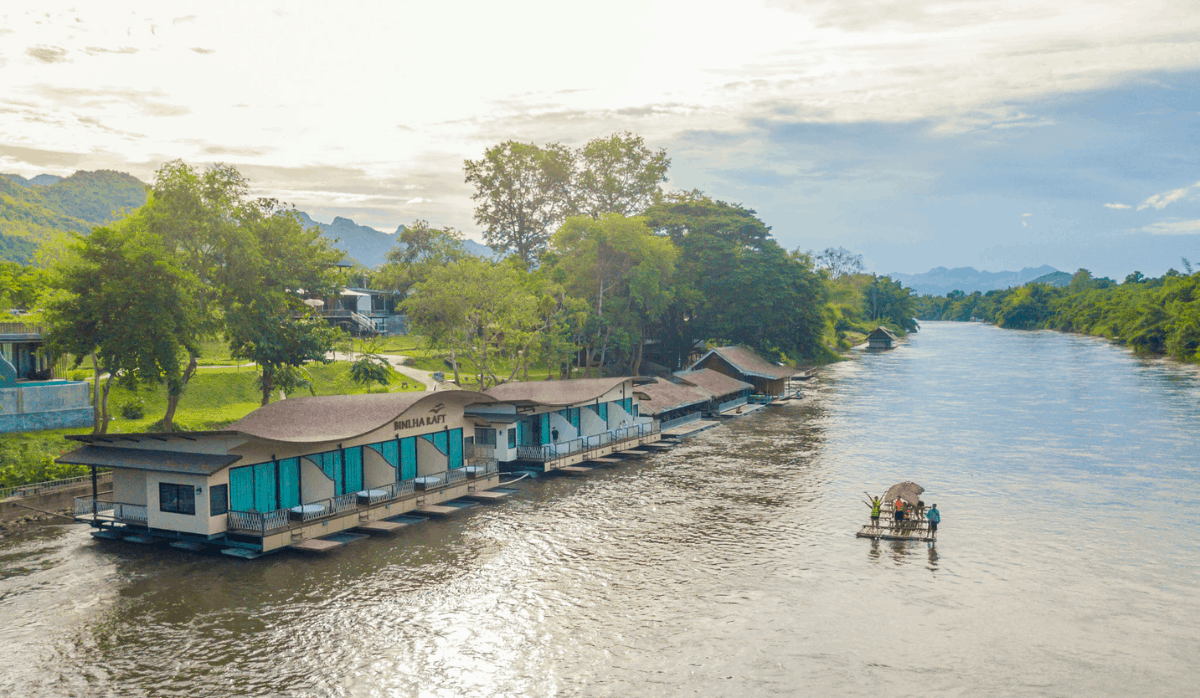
x,y
920,133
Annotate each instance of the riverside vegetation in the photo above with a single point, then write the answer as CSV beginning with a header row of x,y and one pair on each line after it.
x,y
598,269
1153,316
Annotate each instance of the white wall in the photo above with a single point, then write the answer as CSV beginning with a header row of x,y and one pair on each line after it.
x,y
566,432
430,461
590,422
314,484
129,486
618,417
199,523
376,470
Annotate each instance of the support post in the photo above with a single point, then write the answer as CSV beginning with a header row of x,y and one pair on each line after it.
x,y
95,496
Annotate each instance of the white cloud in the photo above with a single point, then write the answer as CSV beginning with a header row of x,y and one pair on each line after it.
x,y
1024,224
1118,206
1173,226
1026,215
1160,201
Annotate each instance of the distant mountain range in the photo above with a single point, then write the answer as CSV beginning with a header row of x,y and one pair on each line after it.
x,y
940,280
87,199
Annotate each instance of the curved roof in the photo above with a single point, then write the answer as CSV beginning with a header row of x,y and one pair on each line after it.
x,y
568,392
338,417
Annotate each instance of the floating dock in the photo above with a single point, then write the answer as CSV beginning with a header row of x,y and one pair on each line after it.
x,y
916,531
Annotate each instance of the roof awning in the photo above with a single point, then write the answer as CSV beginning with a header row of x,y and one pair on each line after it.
x,y
147,459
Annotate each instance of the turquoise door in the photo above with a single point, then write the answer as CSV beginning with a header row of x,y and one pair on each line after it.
x,y
289,483
408,458
354,468
265,492
454,453
241,488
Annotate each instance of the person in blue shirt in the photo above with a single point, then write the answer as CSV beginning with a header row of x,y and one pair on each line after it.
x,y
934,517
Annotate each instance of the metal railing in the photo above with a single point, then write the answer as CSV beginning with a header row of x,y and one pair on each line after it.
x,y
90,505
36,488
474,452
129,513
261,522
549,452
455,475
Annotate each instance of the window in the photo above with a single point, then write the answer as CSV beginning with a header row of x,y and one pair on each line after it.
x,y
218,500
485,437
512,438
176,499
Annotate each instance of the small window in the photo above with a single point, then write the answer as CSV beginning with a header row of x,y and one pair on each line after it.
x,y
512,438
176,499
218,500
485,437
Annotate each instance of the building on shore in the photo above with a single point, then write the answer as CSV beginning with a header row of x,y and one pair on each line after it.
x,y
744,364
33,394
881,338
299,472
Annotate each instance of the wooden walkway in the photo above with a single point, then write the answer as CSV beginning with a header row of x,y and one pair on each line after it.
x,y
689,429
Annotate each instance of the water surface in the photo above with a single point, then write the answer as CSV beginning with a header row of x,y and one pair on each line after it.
x,y
1065,468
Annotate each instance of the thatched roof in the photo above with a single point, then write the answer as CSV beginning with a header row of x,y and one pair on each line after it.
x,y
714,383
556,393
665,396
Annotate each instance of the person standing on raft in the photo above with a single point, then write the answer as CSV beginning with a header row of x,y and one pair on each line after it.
x,y
934,517
875,505
899,508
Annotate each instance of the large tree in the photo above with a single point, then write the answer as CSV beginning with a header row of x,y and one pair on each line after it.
x,y
618,174
420,248
522,193
625,272
481,311
128,302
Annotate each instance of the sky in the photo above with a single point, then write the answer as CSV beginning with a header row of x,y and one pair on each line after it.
x,y
994,134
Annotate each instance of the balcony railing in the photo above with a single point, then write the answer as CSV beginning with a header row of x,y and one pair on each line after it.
x,y
258,522
90,505
478,452
549,452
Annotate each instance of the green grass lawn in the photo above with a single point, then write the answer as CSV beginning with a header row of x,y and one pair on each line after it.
x,y
214,399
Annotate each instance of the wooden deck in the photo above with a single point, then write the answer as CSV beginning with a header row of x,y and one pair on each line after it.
x,y
689,429
606,460
381,526
488,495
316,545
438,510
572,470
742,410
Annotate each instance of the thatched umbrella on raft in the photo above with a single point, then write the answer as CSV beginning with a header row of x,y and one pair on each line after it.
x,y
908,491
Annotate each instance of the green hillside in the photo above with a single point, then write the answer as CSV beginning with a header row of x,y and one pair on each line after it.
x,y
74,204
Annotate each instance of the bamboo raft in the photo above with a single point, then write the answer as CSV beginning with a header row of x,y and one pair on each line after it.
x,y
914,527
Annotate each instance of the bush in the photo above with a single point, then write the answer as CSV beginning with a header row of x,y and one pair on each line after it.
x,y
78,376
133,408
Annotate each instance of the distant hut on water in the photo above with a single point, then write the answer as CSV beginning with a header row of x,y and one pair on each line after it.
x,y
881,338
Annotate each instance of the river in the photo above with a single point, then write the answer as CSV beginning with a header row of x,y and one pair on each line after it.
x,y
1066,470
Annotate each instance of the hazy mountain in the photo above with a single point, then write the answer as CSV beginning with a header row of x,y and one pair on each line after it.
x,y
940,280
369,246
38,181
86,199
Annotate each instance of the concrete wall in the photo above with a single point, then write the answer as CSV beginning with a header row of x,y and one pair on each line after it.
x,y
590,422
566,432
37,407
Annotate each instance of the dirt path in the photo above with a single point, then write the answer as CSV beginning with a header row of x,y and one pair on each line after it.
x,y
423,377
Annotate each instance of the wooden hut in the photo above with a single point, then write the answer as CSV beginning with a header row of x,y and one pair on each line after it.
x,y
881,338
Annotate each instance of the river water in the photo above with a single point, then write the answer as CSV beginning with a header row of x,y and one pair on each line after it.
x,y
1066,470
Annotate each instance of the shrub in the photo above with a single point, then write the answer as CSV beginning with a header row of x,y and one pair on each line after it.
x,y
133,408
78,376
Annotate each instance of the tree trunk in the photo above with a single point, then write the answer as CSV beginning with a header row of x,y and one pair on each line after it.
x,y
454,364
168,420
95,395
104,404
637,366
268,384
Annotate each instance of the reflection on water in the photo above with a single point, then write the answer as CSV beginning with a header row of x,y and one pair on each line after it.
x,y
1066,562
